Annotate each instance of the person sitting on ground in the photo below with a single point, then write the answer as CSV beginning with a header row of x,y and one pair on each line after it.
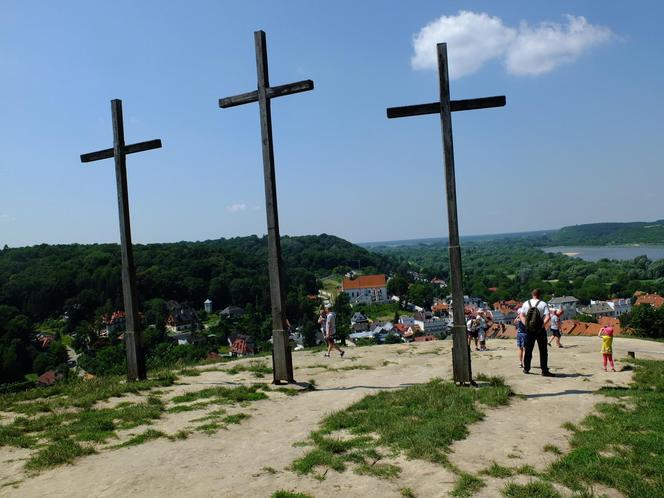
x,y
330,331
520,336
606,333
556,323
535,316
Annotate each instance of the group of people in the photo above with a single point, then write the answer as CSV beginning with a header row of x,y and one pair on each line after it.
x,y
477,327
534,317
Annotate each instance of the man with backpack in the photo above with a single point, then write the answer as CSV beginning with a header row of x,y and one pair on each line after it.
x,y
535,317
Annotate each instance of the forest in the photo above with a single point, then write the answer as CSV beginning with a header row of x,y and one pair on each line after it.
x,y
41,285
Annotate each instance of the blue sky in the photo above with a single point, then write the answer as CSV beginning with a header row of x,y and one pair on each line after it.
x,y
579,141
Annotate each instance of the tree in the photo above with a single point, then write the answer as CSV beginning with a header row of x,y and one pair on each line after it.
x,y
343,311
421,294
398,286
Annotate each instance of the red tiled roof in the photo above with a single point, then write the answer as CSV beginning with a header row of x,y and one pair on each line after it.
x,y
654,300
440,307
364,282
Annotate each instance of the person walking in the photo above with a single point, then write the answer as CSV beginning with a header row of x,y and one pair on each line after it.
x,y
473,332
330,331
556,328
520,336
606,333
535,317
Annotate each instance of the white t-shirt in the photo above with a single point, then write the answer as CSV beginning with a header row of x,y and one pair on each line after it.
x,y
330,325
542,307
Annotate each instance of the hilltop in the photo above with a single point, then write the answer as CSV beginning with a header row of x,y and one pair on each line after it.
x,y
204,437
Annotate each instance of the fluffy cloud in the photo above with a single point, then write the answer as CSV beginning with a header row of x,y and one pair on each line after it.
x,y
236,208
476,38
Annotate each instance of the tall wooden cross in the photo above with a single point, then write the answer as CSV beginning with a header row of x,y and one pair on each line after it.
x,y
133,334
281,355
445,107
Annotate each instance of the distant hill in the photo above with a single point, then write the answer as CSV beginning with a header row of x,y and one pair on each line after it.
x,y
41,280
610,234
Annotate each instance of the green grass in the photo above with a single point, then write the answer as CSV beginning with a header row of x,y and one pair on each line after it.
x,y
289,494
498,471
223,395
550,448
407,493
621,445
146,436
467,485
420,421
535,489
79,393
258,368
58,453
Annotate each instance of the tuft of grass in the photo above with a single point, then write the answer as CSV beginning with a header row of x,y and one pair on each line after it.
x,y
258,368
229,395
421,421
527,470
381,470
269,470
289,494
146,436
407,493
60,452
289,391
386,363
498,471
188,408
467,485
190,372
534,489
550,448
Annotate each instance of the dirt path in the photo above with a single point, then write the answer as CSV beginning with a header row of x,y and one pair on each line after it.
x,y
251,459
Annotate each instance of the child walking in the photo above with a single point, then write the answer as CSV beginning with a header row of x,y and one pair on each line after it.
x,y
606,333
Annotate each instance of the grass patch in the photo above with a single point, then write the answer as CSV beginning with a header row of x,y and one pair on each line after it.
x,y
420,421
219,395
622,445
498,471
190,372
148,435
258,368
58,453
289,494
550,448
407,493
467,485
354,367
535,489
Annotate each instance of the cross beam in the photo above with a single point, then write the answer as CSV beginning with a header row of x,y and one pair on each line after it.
x,y
282,362
133,334
445,107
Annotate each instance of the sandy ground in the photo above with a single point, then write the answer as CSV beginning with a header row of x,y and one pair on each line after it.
x,y
252,459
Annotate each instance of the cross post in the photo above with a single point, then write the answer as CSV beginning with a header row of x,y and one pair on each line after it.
x,y
460,350
282,361
133,333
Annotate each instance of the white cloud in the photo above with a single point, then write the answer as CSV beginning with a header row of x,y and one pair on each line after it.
x,y
476,38
472,39
236,208
539,50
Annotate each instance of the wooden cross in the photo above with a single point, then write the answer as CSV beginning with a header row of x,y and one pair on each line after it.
x,y
133,335
445,107
281,355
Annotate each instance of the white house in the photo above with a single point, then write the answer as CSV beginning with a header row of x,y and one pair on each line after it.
x,y
565,303
366,289
620,306
430,324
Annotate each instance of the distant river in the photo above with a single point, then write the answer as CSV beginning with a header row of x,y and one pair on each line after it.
x,y
610,252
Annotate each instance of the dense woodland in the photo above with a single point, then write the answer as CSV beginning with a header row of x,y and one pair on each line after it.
x,y
610,234
41,284
64,289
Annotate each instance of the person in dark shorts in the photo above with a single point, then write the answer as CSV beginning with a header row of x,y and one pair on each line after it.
x,y
472,327
556,327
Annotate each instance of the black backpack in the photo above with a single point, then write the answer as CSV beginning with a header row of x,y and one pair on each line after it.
x,y
534,319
